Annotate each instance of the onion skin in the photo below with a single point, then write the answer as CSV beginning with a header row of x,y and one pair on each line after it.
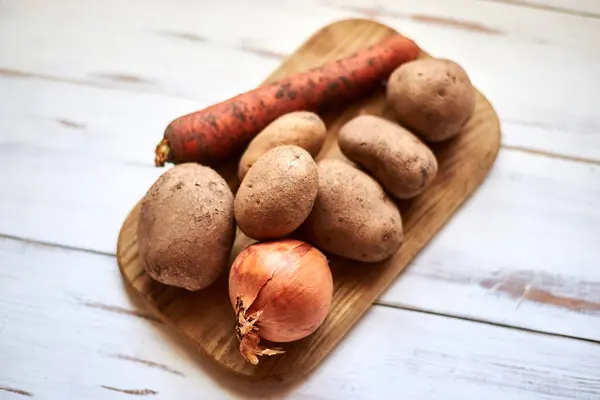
x,y
281,292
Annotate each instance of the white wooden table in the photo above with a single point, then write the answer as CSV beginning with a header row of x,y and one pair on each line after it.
x,y
503,304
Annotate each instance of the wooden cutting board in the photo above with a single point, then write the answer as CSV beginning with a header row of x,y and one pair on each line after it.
x,y
206,317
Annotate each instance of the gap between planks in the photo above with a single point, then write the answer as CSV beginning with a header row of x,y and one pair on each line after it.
x,y
56,245
387,305
545,7
486,322
542,153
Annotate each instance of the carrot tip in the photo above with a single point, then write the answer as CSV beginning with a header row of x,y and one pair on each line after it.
x,y
162,153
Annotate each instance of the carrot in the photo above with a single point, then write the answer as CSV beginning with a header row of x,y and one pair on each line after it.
x,y
210,135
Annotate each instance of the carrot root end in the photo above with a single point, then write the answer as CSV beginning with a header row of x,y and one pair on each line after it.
x,y
162,153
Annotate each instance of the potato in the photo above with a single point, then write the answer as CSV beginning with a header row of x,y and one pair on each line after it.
x,y
186,227
277,193
302,128
353,217
432,97
393,155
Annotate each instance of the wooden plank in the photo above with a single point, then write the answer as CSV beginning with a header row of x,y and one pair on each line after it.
x,y
586,8
103,125
68,329
67,199
479,18
502,46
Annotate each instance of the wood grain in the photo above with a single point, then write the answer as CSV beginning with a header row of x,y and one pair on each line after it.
x,y
206,316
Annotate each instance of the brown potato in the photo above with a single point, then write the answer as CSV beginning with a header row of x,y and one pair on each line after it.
x,y
302,128
353,217
277,194
186,228
393,155
432,97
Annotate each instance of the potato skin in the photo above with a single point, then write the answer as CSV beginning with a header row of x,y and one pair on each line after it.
x,y
391,154
432,97
186,227
353,217
277,193
302,128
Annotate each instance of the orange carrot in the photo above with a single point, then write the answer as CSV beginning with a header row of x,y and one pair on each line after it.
x,y
210,135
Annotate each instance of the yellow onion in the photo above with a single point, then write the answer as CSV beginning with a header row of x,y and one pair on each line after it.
x,y
281,291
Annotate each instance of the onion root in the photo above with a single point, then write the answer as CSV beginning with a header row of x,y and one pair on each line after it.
x,y
248,334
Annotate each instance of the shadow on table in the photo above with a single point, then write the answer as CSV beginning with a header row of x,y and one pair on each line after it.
x,y
239,386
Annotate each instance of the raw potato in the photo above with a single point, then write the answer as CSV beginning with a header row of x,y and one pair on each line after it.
x,y
302,128
277,194
186,228
393,155
353,217
432,97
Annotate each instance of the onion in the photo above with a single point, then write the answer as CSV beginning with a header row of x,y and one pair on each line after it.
x,y
281,291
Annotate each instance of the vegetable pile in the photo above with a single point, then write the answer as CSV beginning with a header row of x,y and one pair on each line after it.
x,y
281,289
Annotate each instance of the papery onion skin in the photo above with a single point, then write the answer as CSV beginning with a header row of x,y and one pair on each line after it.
x,y
286,284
